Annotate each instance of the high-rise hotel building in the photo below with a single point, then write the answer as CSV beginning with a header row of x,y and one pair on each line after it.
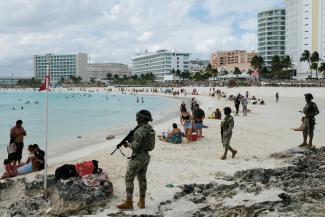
x,y
271,34
160,63
305,30
61,66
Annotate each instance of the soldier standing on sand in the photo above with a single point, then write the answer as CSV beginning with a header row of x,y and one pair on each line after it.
x,y
143,142
310,110
226,132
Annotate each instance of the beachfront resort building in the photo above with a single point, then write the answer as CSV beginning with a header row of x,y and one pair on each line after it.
x,y
196,65
271,34
228,60
160,63
61,66
100,70
305,30
11,80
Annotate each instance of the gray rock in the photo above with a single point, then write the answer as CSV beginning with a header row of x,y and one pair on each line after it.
x,y
25,199
71,196
303,183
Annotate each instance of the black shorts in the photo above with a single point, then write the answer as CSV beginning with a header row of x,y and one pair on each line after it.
x,y
12,157
19,150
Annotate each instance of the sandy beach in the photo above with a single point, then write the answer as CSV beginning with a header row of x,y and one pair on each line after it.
x,y
264,131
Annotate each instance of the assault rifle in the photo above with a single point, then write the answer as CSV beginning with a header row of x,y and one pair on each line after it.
x,y
128,138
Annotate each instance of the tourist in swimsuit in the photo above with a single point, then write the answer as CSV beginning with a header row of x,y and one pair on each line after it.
x,y
17,134
10,170
31,164
175,136
186,121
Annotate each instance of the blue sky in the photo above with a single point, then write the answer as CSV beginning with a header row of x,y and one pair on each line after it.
x,y
113,31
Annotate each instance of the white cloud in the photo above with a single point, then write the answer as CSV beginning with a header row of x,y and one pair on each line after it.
x,y
116,30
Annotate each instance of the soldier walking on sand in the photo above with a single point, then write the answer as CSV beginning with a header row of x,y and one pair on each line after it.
x,y
226,132
143,142
310,110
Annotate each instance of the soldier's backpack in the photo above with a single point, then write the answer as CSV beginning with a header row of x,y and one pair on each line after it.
x,y
151,140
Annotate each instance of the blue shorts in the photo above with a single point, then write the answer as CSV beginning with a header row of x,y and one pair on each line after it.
x,y
199,125
188,125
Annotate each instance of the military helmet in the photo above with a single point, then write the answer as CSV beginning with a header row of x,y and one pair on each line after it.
x,y
227,110
145,114
309,96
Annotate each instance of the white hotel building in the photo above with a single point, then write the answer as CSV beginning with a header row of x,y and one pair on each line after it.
x,y
305,30
160,63
271,34
61,66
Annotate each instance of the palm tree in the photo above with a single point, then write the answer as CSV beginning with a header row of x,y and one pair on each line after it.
x,y
321,69
287,65
178,73
116,77
185,75
257,63
214,72
134,77
276,66
237,72
314,66
249,72
62,80
314,62
305,57
109,76
265,72
198,76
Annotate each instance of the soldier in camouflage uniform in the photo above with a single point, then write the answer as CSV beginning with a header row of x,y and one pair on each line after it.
x,y
310,111
226,132
142,143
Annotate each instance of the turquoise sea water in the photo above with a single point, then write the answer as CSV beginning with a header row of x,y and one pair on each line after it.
x,y
72,115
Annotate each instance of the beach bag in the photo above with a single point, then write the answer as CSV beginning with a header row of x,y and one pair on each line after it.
x,y
65,172
87,167
151,140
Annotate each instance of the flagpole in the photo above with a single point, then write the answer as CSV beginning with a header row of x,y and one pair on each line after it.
x,y
46,125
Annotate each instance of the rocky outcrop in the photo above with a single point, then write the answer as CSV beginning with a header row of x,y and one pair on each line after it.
x,y
296,190
21,198
72,195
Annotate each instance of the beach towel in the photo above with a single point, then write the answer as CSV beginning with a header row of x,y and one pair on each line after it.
x,y
95,180
25,169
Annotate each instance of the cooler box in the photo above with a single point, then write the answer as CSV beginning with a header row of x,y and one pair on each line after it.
x,y
194,137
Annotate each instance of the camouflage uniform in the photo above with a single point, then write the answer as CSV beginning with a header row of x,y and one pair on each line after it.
x,y
226,126
138,164
310,111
